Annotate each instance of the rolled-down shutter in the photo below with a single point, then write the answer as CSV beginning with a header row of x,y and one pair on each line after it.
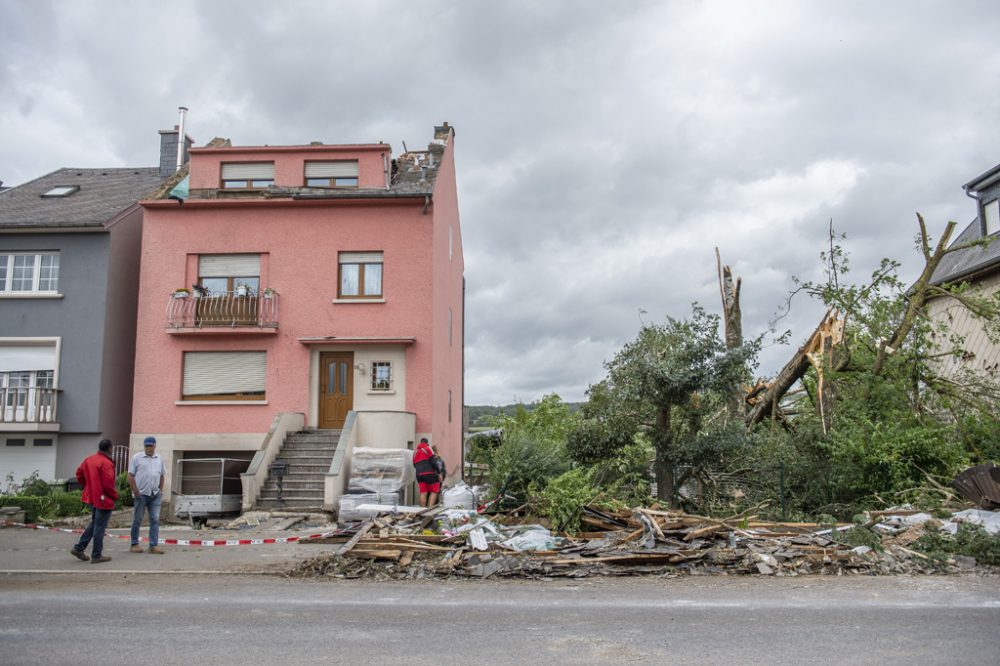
x,y
360,257
229,265
224,373
27,357
248,171
332,169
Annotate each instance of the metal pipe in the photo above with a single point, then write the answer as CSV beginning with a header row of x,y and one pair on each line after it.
x,y
181,140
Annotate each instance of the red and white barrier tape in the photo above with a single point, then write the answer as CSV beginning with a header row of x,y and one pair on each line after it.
x,y
186,542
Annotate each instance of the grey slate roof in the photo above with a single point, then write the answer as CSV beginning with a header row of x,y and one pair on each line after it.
x,y
103,194
969,261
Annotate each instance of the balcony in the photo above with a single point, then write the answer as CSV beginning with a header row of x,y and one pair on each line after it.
x,y
223,312
23,408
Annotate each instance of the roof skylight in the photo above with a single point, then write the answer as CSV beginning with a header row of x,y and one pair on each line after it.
x,y
61,191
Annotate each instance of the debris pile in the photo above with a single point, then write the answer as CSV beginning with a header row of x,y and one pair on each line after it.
x,y
444,542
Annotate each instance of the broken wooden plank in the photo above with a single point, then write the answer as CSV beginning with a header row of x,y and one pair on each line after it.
x,y
362,531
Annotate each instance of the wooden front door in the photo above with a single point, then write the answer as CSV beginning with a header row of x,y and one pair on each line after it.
x,y
336,388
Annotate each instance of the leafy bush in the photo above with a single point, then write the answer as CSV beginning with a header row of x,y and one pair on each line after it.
x,y
625,477
124,491
525,465
67,504
970,540
33,486
33,506
564,495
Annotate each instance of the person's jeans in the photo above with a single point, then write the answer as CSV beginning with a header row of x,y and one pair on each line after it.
x,y
95,531
151,504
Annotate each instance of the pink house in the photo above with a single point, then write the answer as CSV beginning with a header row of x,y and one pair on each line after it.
x,y
311,292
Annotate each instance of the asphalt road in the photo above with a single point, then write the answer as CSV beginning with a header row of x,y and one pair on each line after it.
x,y
92,617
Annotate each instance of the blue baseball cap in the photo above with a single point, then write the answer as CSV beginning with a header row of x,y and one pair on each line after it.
x,y
149,441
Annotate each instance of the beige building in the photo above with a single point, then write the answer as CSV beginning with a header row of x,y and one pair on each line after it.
x,y
979,267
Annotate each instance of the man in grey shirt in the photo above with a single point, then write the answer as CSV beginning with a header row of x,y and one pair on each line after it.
x,y
145,477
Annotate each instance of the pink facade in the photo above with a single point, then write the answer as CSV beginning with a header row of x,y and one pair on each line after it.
x,y
298,233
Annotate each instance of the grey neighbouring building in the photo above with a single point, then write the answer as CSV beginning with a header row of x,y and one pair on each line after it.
x,y
69,272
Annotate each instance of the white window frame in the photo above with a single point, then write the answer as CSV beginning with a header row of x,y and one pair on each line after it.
x,y
991,217
205,370
390,382
361,260
50,381
7,260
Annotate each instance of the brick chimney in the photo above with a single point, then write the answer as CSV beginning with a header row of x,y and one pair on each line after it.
x,y
168,150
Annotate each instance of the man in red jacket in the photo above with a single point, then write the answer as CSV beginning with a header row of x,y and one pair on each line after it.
x,y
96,475
428,481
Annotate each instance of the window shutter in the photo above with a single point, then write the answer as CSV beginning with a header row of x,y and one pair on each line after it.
x,y
229,265
332,169
220,373
248,171
34,357
360,257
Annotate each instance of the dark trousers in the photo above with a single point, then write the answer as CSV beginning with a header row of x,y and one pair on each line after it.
x,y
95,530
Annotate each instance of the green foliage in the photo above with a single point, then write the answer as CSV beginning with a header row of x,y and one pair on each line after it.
x,y
970,540
532,449
563,497
34,486
625,477
594,441
33,506
859,536
124,491
66,504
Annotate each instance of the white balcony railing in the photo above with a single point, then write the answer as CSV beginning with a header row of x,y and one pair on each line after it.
x,y
229,308
28,405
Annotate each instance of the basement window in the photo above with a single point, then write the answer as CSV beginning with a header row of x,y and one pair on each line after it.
x,y
61,191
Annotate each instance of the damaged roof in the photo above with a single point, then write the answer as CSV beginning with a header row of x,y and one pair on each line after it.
x,y
965,263
92,197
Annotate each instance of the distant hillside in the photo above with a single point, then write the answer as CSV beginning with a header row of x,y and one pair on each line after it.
x,y
478,414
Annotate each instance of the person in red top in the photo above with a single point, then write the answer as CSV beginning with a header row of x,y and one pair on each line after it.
x,y
427,476
96,475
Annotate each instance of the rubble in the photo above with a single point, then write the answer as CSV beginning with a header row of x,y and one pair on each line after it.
x,y
442,542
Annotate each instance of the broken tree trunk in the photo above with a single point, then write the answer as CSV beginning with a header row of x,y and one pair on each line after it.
x,y
830,330
918,292
732,320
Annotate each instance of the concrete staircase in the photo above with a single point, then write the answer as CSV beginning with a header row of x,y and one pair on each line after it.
x,y
308,454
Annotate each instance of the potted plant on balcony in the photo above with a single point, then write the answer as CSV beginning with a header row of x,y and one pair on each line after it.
x,y
269,293
242,290
183,292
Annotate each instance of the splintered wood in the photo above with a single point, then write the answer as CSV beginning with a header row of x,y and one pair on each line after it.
x,y
616,543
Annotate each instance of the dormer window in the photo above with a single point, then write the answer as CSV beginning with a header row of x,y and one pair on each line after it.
x,y
991,217
332,174
247,175
61,191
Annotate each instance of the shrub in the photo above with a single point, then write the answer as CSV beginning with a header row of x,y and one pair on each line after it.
x,y
525,465
35,487
66,504
564,495
124,491
32,506
970,540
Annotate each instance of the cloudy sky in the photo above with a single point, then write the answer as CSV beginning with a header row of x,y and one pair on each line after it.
x,y
604,149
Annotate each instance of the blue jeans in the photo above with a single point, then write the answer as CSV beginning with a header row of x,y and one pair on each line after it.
x,y
95,530
150,503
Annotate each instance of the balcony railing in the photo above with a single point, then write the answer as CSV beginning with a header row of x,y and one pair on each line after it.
x,y
236,309
28,405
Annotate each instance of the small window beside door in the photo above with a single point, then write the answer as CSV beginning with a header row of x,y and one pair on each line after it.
x,y
381,376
